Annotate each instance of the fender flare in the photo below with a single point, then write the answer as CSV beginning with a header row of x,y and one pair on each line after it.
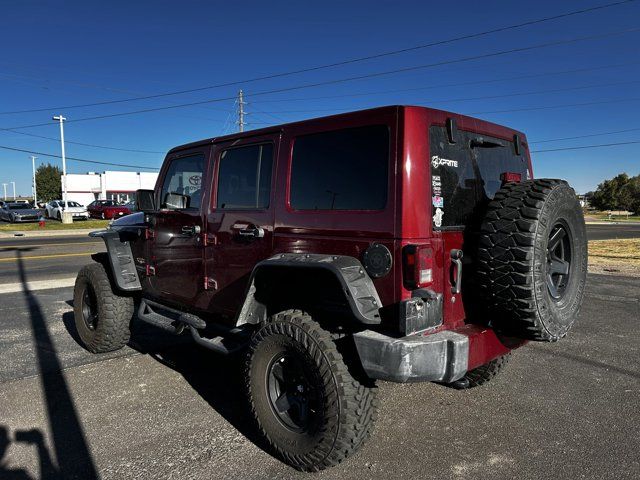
x,y
359,290
120,260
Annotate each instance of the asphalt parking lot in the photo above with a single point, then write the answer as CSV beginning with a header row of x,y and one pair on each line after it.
x,y
158,409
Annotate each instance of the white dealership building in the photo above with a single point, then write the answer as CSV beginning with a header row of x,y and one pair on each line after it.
x,y
120,186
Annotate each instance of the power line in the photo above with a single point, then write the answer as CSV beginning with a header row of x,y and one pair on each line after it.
x,y
336,64
443,85
586,136
76,159
548,107
487,97
80,143
585,147
347,79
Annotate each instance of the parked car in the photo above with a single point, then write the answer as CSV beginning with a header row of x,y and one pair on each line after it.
x,y
107,209
131,206
55,208
19,212
401,243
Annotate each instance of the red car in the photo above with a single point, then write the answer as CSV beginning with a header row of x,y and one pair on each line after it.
x,y
107,209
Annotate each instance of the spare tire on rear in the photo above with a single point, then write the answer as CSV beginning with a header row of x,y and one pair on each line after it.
x,y
532,259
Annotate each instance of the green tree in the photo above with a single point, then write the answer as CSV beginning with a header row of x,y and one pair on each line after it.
x,y
630,194
48,182
610,194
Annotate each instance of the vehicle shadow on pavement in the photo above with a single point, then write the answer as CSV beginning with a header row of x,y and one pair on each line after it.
x,y
72,453
218,379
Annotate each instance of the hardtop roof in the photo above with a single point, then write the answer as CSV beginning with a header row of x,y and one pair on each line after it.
x,y
481,124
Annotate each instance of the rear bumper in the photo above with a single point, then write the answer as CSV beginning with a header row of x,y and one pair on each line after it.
x,y
445,356
440,357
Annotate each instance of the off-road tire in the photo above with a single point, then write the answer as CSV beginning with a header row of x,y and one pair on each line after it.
x,y
347,407
513,259
114,311
484,373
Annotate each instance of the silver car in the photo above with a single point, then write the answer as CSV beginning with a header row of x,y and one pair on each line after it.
x,y
19,212
55,208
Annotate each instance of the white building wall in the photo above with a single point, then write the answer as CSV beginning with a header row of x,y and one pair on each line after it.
x,y
85,188
148,180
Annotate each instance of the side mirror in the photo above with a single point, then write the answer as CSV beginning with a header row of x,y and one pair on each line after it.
x,y
145,199
176,201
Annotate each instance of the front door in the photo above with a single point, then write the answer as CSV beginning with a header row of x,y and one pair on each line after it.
x,y
176,269
241,218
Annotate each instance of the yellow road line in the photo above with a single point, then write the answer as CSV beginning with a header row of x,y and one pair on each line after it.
x,y
53,245
38,257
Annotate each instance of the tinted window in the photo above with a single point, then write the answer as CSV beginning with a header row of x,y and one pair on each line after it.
x,y
466,175
244,177
493,162
341,170
183,177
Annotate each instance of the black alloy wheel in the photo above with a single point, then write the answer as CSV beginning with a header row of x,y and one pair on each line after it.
x,y
89,308
311,411
558,260
292,395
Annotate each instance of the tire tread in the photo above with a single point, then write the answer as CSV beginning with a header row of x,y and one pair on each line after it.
x,y
354,403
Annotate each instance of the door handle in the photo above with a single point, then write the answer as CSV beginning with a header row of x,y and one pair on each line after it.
x,y
251,231
456,281
190,230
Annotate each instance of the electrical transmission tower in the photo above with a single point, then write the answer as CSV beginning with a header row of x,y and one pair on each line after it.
x,y
241,113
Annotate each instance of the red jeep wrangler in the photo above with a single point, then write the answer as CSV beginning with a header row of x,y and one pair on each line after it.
x,y
399,243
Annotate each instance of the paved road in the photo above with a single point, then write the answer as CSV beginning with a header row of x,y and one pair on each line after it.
x,y
606,232
562,410
46,258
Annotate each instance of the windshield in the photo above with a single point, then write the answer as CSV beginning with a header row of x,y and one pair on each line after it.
x,y
19,206
465,175
74,204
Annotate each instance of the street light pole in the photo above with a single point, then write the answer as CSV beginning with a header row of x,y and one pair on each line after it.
x,y
61,119
14,191
5,191
33,167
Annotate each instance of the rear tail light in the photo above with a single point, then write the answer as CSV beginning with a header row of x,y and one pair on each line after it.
x,y
417,268
507,177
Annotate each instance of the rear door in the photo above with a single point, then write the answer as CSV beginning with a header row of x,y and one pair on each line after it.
x,y
241,218
465,176
176,249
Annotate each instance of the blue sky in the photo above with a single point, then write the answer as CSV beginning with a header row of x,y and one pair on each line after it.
x,y
65,53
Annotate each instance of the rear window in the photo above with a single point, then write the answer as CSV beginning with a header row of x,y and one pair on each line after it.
x,y
341,170
465,175
244,177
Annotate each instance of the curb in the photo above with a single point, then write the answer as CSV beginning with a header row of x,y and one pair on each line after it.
x,y
80,232
612,223
38,285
